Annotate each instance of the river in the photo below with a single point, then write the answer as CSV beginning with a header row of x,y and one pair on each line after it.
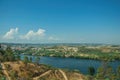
x,y
72,63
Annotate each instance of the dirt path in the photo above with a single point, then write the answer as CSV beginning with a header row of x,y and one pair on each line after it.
x,y
63,73
5,71
47,72
56,74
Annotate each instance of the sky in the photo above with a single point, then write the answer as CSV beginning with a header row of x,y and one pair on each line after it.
x,y
60,21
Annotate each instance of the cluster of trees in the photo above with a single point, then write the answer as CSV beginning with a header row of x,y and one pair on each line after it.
x,y
8,55
30,59
103,73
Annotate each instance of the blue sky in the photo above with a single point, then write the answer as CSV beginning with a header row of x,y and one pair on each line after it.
x,y
72,21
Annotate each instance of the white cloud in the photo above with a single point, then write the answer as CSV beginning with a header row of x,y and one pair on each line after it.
x,y
53,38
11,34
33,35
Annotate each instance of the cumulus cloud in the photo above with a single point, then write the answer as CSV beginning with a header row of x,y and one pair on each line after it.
x,y
11,34
33,35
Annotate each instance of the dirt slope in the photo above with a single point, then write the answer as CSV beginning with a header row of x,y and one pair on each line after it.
x,y
19,70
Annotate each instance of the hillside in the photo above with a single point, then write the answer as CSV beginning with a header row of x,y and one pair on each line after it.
x,y
20,71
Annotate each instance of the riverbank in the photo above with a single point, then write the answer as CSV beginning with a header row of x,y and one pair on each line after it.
x,y
107,53
83,56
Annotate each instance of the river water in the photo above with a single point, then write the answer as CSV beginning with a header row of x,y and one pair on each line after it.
x,y
72,63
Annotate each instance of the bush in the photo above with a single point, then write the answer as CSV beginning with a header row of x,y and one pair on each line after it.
x,y
91,71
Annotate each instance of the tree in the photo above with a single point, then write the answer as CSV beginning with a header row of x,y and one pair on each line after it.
x,y
118,72
91,71
26,60
110,74
17,57
30,59
37,59
9,54
2,52
105,73
100,73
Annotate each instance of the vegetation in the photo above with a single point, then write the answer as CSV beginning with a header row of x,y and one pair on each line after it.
x,y
91,71
11,66
105,72
118,73
26,60
37,59
8,55
109,53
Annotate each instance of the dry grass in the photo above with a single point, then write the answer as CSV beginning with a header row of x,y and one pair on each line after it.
x,y
30,71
